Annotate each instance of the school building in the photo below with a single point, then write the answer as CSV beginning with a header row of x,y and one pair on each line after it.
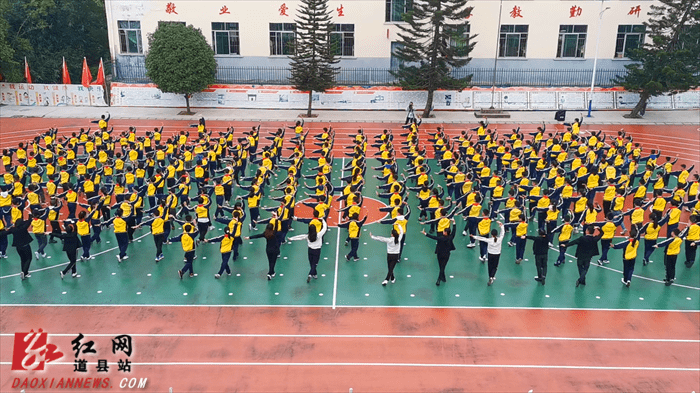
x,y
548,42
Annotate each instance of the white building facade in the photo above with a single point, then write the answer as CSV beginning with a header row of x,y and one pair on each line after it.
x,y
532,36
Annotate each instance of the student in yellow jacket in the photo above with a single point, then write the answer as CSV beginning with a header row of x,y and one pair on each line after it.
x,y
629,255
673,248
227,241
188,244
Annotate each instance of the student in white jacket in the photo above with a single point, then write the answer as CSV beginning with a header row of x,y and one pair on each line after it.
x,y
494,250
393,249
315,241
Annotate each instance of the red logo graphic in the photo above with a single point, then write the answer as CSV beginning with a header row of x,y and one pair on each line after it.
x,y
283,9
31,351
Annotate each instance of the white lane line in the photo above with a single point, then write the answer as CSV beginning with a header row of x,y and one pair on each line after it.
x,y
431,365
337,253
20,305
634,275
382,336
65,263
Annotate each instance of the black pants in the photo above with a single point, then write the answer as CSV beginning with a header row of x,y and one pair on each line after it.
x,y
272,260
71,265
391,260
354,245
583,265
670,263
203,228
55,229
314,256
224,263
189,258
493,264
130,223
25,256
442,263
158,240
690,252
541,265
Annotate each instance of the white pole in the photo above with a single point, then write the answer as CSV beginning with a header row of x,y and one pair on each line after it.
x,y
595,59
495,57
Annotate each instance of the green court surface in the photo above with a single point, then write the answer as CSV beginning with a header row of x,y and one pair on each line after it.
x,y
139,280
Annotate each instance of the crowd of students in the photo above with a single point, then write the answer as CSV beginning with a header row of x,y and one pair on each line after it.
x,y
497,183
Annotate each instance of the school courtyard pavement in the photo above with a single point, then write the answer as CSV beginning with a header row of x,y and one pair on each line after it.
x,y
656,117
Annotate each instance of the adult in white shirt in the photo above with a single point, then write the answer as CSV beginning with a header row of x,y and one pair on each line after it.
x,y
315,241
494,250
393,249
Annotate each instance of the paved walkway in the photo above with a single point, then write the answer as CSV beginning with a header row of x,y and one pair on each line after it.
x,y
661,117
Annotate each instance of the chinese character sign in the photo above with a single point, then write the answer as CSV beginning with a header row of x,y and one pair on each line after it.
x,y
283,9
515,12
170,8
635,11
340,10
224,10
575,11
122,343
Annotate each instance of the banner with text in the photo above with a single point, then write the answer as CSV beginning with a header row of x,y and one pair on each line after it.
x,y
24,94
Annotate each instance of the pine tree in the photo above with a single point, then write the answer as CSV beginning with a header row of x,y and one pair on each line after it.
x,y
314,55
670,63
434,41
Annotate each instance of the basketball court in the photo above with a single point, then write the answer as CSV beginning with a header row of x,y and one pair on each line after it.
x,y
345,330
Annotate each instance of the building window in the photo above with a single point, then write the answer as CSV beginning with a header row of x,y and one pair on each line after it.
x,y
572,40
395,62
130,36
343,40
396,8
629,37
281,39
513,41
460,41
224,37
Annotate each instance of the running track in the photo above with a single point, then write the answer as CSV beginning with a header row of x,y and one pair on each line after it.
x,y
674,141
282,349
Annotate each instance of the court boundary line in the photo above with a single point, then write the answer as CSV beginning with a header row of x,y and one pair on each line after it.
x,y
346,306
429,365
337,246
64,263
633,275
378,336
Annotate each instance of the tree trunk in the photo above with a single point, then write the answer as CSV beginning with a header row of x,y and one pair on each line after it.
x,y
187,100
635,114
308,110
428,104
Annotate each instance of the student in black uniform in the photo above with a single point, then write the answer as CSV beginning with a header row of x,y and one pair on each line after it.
x,y
21,242
443,248
272,249
71,243
540,247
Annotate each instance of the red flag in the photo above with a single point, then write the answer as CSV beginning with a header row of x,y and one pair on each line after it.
x,y
27,75
87,76
64,72
100,75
